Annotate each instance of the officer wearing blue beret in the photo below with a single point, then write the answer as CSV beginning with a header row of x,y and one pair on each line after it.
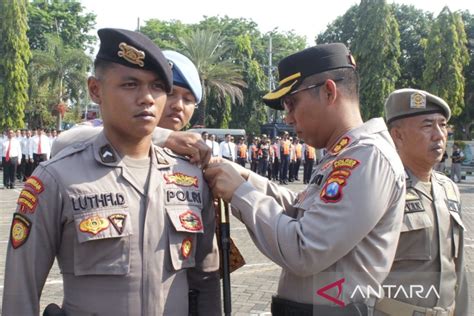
x,y
131,227
337,238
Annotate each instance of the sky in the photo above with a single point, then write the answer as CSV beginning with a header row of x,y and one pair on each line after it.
x,y
306,18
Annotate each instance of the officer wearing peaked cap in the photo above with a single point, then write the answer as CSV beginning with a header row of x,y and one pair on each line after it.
x,y
340,233
130,226
430,251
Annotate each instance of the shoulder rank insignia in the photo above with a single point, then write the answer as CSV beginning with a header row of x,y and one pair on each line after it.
x,y
107,154
190,221
181,179
94,225
131,54
340,145
186,247
20,230
118,221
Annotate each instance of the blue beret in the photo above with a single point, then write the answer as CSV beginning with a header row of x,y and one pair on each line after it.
x,y
133,49
185,73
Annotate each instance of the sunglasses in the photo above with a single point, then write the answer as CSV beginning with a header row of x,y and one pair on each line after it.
x,y
287,101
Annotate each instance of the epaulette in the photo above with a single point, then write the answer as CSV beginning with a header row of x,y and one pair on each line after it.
x,y
172,154
68,151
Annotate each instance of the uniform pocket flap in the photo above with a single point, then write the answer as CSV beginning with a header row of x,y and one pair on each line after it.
x,y
186,219
415,221
457,219
95,225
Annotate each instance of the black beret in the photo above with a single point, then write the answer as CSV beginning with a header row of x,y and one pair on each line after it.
x,y
133,49
294,68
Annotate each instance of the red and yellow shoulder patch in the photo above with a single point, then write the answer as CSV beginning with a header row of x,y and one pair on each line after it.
x,y
186,247
94,224
35,184
181,179
20,230
337,179
27,201
190,221
340,145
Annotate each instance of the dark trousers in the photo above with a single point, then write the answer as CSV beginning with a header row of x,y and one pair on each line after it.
x,y
262,166
296,168
21,168
285,162
276,169
9,171
254,165
291,170
308,169
241,161
37,159
29,167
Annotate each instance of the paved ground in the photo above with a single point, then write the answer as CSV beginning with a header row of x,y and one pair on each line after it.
x,y
252,285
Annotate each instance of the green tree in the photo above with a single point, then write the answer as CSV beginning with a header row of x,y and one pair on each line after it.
x,y
166,34
220,78
465,122
446,56
64,71
342,30
376,49
414,26
15,57
62,18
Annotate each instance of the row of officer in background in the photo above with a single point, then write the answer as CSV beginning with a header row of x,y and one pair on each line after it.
x,y
370,220
342,230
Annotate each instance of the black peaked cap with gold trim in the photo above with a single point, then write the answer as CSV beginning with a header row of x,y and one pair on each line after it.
x,y
135,50
317,59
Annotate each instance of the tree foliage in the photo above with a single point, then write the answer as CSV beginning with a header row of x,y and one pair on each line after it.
x,y
16,54
63,70
446,56
62,18
376,49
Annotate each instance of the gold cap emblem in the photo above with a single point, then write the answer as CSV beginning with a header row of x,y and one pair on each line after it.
x,y
131,54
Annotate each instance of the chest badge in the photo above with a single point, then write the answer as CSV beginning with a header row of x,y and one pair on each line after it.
x,y
186,247
94,225
118,221
181,179
190,221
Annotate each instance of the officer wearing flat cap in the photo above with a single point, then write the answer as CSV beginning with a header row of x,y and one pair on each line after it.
x,y
130,225
430,251
338,237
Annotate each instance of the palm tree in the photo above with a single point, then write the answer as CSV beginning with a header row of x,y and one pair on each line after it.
x,y
63,70
219,77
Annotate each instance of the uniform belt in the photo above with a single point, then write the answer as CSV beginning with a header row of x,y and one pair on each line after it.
x,y
394,307
282,307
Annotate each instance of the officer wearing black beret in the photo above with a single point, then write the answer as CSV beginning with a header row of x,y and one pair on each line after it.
x,y
337,238
125,220
431,247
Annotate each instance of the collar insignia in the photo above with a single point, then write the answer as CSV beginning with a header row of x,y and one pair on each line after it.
x,y
131,54
107,154
340,145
